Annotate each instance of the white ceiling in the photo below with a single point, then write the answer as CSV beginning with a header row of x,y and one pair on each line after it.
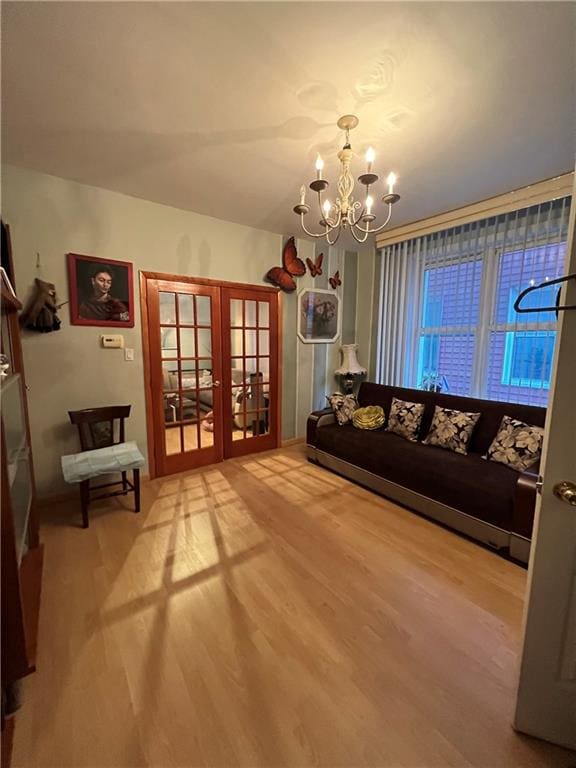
x,y
220,108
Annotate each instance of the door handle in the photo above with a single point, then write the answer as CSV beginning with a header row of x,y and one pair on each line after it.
x,y
215,383
566,491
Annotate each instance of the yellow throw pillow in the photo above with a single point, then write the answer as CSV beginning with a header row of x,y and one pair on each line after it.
x,y
370,417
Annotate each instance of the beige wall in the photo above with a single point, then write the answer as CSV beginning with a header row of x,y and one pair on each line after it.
x,y
68,369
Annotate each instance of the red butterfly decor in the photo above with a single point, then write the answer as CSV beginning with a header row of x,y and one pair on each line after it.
x,y
291,267
315,268
335,281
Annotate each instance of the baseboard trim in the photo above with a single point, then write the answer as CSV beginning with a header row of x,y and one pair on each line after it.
x,y
292,441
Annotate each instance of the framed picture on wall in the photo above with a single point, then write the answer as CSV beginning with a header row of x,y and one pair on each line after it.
x,y
101,291
318,316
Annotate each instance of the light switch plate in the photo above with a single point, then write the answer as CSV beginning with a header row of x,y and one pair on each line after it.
x,y
128,354
112,341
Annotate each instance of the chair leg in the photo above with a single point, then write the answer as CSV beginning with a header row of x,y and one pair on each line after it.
x,y
85,501
136,482
125,482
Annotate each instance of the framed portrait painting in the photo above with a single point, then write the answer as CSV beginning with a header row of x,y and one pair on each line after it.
x,y
101,291
318,316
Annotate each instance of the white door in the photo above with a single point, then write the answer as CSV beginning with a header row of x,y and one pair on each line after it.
x,y
546,704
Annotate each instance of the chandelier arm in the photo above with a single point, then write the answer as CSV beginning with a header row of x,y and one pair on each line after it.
x,y
381,227
355,236
333,242
312,234
357,221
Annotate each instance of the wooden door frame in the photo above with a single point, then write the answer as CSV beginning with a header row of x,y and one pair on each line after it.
x,y
146,275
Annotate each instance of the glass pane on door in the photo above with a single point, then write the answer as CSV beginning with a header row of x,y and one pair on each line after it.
x,y
204,342
264,342
263,314
236,313
172,421
203,310
187,342
167,308
185,309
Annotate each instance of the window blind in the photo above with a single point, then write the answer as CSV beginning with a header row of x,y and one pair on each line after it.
x,y
447,320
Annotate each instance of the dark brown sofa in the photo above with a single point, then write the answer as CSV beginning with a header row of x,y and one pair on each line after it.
x,y
483,499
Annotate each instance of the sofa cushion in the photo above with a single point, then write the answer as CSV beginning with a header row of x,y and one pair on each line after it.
x,y
405,418
517,445
451,429
370,417
343,406
479,488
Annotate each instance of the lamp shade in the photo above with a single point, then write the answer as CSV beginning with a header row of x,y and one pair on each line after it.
x,y
350,365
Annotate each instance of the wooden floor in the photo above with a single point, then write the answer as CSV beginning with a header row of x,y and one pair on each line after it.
x,y
174,445
265,612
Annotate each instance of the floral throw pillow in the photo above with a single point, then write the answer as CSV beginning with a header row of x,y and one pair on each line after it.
x,y
405,418
518,445
451,429
343,406
370,417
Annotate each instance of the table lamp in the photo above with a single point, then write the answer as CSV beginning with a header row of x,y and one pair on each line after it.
x,y
350,369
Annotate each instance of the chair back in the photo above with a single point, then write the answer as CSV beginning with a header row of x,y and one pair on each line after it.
x,y
100,427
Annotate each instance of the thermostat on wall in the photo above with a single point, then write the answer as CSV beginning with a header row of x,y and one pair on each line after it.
x,y
113,341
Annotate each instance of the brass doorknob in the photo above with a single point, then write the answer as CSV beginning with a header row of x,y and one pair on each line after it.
x,y
215,383
566,491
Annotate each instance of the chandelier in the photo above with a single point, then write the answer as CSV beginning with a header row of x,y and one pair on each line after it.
x,y
347,213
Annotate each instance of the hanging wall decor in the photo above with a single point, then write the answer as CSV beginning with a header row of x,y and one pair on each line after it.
x,y
291,267
318,316
335,281
101,291
41,312
315,267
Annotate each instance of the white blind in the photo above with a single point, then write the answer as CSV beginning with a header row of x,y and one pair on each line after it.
x,y
446,309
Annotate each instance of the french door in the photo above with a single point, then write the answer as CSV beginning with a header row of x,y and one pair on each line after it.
x,y
211,361
250,377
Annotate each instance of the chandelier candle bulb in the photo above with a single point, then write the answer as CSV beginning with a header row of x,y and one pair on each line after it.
x,y
391,180
370,155
369,204
303,194
319,167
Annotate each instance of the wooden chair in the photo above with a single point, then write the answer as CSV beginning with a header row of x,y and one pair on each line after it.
x,y
103,428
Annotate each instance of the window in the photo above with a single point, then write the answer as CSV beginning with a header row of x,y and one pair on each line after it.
x,y
447,296
519,351
447,304
450,307
528,359
528,354
521,347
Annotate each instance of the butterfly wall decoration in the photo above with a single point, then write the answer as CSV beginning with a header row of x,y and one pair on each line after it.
x,y
335,281
315,267
291,267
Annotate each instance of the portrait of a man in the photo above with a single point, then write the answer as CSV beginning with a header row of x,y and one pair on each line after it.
x,y
101,292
